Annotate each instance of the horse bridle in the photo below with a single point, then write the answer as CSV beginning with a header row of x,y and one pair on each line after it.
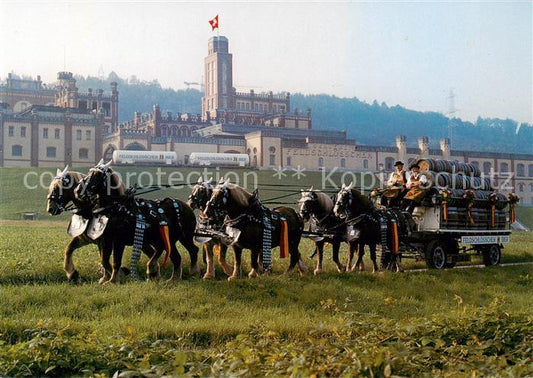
x,y
194,198
66,180
89,189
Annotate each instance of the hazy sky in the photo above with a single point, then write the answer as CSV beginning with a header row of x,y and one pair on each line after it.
x,y
408,53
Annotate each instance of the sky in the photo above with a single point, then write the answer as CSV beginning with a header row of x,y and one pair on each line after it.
x,y
407,53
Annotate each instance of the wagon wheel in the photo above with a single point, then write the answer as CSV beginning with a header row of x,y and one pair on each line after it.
x,y
492,255
436,255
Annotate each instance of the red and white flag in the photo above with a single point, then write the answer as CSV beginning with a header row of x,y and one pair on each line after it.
x,y
214,23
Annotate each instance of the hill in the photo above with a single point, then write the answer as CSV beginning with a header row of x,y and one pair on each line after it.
x,y
371,124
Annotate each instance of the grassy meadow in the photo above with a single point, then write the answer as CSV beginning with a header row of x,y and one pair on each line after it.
x,y
459,322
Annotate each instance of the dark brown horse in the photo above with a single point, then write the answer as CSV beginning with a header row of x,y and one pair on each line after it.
x,y
359,211
201,193
122,210
60,197
317,208
245,219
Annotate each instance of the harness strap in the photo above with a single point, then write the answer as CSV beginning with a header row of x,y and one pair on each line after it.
x,y
138,240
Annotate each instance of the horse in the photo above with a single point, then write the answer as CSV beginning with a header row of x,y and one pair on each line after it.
x,y
317,208
354,207
200,194
60,195
246,222
104,183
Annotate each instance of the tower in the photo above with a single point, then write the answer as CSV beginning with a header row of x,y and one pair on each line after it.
x,y
218,73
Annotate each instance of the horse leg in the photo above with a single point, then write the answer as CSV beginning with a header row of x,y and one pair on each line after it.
x,y
336,246
255,265
319,248
296,259
210,264
373,258
351,251
236,264
359,264
118,251
175,257
105,255
68,265
189,245
153,269
222,259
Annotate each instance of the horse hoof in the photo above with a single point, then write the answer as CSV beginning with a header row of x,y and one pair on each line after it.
x,y
316,272
74,277
253,274
341,269
102,280
209,277
233,278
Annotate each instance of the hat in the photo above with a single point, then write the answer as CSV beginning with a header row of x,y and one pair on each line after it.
x,y
399,163
415,166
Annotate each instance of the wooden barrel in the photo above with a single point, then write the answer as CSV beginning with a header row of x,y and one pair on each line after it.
x,y
447,164
485,184
454,166
442,179
457,181
476,172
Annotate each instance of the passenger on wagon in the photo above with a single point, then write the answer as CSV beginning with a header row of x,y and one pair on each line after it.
x,y
416,186
395,190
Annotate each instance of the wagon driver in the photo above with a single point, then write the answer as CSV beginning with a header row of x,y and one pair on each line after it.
x,y
395,190
416,184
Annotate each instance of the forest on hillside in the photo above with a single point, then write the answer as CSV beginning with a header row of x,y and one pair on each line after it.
x,y
370,124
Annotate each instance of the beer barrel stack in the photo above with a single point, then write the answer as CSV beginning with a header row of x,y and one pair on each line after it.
x,y
467,199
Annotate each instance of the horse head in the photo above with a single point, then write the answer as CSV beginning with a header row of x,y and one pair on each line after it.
x,y
218,201
99,181
307,203
350,202
344,201
60,192
201,193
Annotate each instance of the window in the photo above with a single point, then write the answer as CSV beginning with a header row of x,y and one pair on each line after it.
x,y
520,170
16,150
272,159
389,164
11,131
320,161
365,164
530,170
247,106
45,133
106,106
475,163
256,107
520,187
343,163
504,167
23,131
82,105
486,168
50,152
88,135
78,134
531,187
57,133
288,160
84,153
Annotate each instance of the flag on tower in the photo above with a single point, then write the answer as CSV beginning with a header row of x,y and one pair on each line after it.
x,y
214,23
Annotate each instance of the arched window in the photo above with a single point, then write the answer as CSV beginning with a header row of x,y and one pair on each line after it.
x,y
83,153
475,163
185,131
520,170
272,150
530,170
343,163
255,150
389,163
16,150
504,167
320,161
365,164
520,187
164,131
487,167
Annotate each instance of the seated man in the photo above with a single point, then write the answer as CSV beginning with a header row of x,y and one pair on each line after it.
x,y
416,184
395,190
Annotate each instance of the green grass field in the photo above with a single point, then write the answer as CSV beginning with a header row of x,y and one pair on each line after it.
x,y
460,322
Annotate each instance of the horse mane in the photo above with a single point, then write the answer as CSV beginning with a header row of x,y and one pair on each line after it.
x,y
239,195
117,183
364,203
325,202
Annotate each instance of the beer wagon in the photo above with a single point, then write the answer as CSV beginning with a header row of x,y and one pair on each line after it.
x,y
460,216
